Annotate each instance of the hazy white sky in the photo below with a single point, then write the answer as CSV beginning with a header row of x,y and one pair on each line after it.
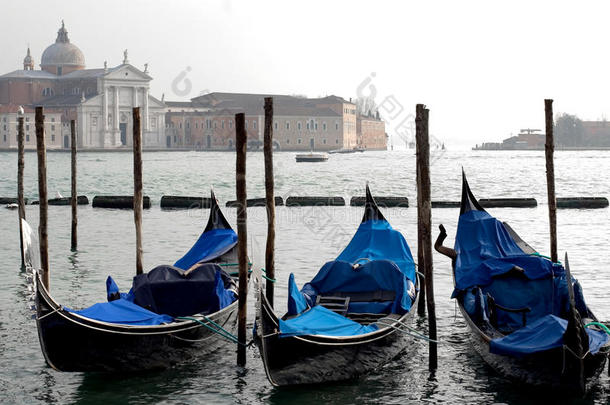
x,y
483,68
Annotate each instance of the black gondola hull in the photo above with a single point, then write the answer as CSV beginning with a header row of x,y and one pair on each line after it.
x,y
316,359
73,343
542,369
556,368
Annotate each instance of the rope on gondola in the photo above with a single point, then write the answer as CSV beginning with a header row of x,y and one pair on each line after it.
x,y
220,330
267,278
543,256
601,325
411,332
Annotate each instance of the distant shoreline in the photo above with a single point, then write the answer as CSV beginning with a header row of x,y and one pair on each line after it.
x,y
566,148
129,150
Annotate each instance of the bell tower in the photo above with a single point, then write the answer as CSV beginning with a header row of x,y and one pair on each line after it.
x,y
28,61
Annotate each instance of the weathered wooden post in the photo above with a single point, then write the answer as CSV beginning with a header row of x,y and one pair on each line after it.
x,y
242,234
270,199
138,200
73,185
42,196
424,223
549,148
20,168
421,305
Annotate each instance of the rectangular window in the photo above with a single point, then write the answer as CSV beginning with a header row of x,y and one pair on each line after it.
x,y
254,124
288,125
246,124
4,137
52,127
52,138
315,126
308,126
275,125
222,124
324,126
299,140
214,124
230,124
336,126
153,123
188,125
299,125
5,127
27,127
196,125
94,121
52,119
27,138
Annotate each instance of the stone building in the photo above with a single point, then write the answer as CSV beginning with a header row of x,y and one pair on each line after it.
x,y
371,132
322,124
8,129
100,100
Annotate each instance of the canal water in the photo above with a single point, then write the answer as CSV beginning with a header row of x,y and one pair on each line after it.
x,y
306,238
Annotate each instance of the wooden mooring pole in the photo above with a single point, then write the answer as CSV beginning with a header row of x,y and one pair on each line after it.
x,y
42,196
270,199
138,200
20,168
242,234
424,224
549,148
74,199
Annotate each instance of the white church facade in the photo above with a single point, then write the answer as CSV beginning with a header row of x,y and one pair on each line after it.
x,y
100,100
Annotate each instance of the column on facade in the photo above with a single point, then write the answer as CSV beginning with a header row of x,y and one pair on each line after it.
x,y
135,96
146,119
105,109
115,119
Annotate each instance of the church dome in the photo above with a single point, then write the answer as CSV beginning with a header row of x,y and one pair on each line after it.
x,y
62,53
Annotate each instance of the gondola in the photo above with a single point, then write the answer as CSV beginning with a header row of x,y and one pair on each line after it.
x,y
526,315
351,318
172,313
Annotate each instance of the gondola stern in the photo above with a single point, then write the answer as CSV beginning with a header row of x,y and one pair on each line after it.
x,y
371,210
217,219
468,202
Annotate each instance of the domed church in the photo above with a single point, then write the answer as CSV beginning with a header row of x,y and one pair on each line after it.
x,y
100,100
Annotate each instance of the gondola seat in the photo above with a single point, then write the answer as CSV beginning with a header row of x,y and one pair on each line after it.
x,y
175,292
377,287
512,301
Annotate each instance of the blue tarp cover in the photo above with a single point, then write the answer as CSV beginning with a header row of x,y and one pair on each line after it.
x,y
376,239
173,291
123,312
485,249
321,321
544,334
210,245
296,301
377,275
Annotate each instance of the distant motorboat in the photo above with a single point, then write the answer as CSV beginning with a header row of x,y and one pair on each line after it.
x,y
312,157
11,206
347,150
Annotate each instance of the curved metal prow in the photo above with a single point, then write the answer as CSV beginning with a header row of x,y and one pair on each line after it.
x,y
217,220
31,254
371,210
469,202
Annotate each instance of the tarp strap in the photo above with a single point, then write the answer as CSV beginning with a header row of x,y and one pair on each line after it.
x,y
218,329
